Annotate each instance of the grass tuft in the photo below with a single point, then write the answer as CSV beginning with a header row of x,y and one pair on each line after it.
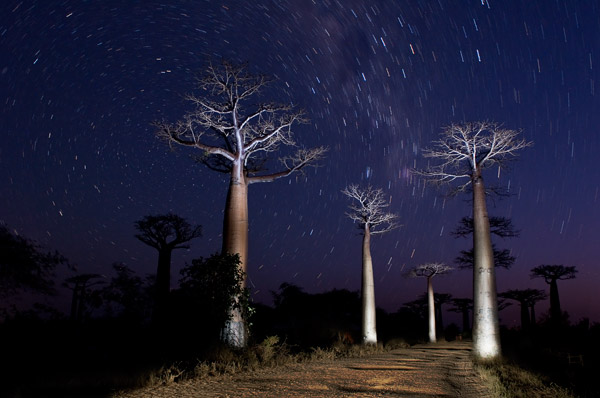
x,y
507,380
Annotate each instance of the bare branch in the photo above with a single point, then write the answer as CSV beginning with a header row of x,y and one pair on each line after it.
x,y
221,126
429,270
465,149
368,212
301,159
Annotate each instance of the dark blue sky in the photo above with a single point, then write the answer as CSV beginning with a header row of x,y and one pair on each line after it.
x,y
82,81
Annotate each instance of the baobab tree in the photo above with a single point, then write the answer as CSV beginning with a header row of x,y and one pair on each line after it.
x,y
440,300
463,152
368,210
463,306
428,271
552,274
165,233
499,226
237,138
526,299
84,298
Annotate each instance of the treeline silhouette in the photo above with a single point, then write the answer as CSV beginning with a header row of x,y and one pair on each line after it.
x,y
113,327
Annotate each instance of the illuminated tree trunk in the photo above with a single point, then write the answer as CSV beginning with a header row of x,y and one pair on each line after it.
x,y
486,329
369,331
235,241
431,311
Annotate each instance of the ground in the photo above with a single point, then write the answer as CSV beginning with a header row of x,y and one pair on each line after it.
x,y
433,370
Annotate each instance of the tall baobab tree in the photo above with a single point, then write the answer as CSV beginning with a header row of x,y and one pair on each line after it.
x,y
499,226
552,274
463,152
165,233
237,138
526,299
368,210
428,271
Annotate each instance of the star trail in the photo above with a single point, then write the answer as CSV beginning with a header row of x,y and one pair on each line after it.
x,y
82,81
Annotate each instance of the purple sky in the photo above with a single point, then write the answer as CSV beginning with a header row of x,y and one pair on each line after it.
x,y
81,82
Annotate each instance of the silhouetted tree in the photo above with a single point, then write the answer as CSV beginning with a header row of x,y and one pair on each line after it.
x,y
499,226
165,233
237,139
464,151
368,210
552,274
441,299
25,266
526,299
84,299
126,294
463,306
428,271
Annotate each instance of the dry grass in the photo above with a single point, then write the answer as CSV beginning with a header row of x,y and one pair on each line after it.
x,y
508,380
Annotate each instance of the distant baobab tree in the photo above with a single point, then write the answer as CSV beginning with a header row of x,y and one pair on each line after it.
x,y
165,233
84,298
526,299
440,299
499,226
464,151
368,210
428,271
237,138
463,306
552,274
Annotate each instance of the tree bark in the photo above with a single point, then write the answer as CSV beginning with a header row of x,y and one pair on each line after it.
x,y
235,241
431,311
369,330
486,328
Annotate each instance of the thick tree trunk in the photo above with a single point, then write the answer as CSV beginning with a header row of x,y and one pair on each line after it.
x,y
163,285
235,241
431,311
466,325
369,330
532,318
486,328
555,312
524,316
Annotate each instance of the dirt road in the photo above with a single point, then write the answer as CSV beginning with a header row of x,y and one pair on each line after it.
x,y
440,370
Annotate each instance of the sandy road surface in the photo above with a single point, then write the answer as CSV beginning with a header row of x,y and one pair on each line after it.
x,y
440,370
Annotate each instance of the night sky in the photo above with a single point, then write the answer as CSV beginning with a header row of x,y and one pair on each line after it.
x,y
82,81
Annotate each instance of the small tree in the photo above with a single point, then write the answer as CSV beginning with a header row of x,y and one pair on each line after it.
x,y
237,138
552,274
212,287
526,299
464,151
428,271
25,266
126,296
367,209
165,233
